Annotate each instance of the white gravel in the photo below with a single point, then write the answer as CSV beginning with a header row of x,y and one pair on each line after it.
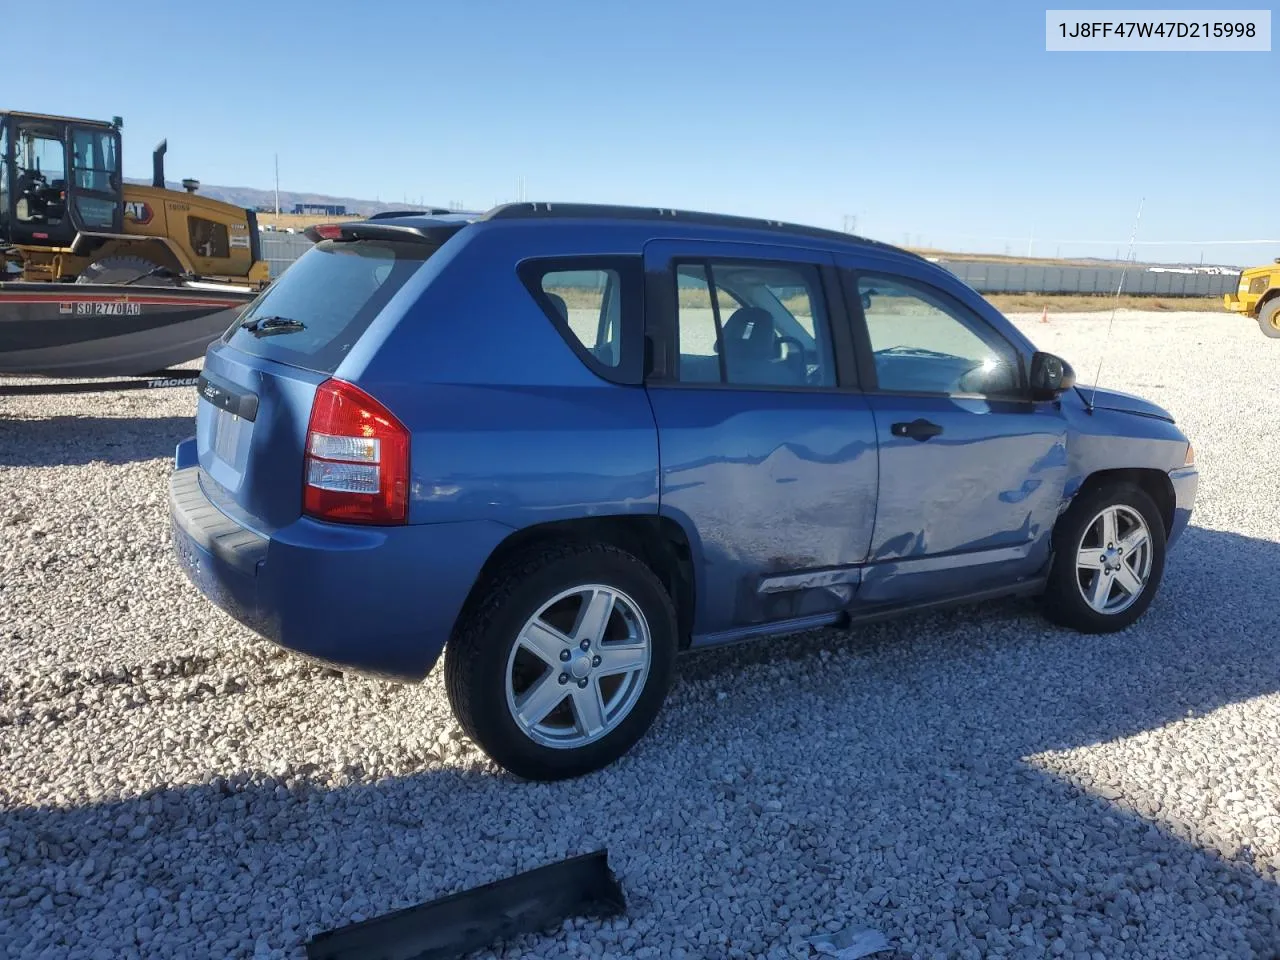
x,y
971,784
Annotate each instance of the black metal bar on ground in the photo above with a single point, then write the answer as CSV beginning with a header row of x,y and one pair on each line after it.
x,y
159,380
457,924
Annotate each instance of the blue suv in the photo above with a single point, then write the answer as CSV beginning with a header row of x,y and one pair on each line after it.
x,y
563,443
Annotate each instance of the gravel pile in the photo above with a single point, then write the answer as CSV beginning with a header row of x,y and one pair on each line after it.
x,y
971,784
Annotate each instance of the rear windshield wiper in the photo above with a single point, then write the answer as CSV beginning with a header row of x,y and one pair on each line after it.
x,y
265,326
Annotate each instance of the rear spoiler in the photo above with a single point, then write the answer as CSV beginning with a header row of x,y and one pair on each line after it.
x,y
436,233
395,214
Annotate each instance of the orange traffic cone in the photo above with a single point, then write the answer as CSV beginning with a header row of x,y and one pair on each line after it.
x,y
1044,316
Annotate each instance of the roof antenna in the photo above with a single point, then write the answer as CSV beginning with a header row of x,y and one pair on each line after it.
x,y
1119,290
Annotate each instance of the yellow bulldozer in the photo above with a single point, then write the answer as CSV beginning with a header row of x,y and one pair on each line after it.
x,y
67,215
1258,297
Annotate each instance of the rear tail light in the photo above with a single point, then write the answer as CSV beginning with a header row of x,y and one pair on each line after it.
x,y
357,462
328,231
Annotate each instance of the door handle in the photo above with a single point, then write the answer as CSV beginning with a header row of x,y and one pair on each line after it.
x,y
917,430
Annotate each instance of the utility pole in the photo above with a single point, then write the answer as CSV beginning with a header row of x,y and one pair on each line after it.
x,y
277,184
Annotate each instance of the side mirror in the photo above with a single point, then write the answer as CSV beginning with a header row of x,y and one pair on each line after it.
x,y
1050,376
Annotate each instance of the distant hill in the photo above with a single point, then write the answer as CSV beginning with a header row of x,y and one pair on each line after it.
x,y
252,198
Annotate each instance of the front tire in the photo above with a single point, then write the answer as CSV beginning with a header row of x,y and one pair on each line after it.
x,y
1109,553
564,664
1269,318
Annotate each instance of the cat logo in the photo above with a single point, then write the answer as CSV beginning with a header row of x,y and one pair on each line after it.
x,y
138,211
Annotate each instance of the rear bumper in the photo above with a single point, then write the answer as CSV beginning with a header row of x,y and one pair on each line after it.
x,y
380,601
1185,481
1234,303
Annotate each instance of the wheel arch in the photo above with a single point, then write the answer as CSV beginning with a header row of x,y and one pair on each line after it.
x,y
659,542
1155,483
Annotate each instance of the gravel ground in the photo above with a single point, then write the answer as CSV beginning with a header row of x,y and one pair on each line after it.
x,y
970,784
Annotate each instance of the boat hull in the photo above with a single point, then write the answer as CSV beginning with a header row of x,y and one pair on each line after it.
x,y
102,330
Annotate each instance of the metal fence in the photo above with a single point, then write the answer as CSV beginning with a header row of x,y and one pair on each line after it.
x,y
985,276
281,249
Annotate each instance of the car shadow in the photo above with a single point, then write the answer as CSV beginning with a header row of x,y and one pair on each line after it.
x,y
1209,639
69,440
959,777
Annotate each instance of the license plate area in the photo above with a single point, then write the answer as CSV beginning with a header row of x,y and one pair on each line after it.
x,y
230,438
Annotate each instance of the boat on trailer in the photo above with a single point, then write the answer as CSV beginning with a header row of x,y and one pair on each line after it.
x,y
111,330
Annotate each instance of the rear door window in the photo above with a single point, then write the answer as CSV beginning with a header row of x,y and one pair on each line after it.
x,y
752,324
331,294
595,304
589,303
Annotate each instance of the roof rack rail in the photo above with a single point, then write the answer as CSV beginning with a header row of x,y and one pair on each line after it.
x,y
590,211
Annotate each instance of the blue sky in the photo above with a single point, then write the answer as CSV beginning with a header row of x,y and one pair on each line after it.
x,y
939,122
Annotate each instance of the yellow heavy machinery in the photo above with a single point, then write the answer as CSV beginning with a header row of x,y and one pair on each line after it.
x,y
1258,297
66,214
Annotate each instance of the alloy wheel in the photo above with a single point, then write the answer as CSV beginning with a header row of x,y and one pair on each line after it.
x,y
578,666
1114,559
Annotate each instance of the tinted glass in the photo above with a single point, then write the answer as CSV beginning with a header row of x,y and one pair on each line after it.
x,y
923,343
335,290
96,212
764,326
590,304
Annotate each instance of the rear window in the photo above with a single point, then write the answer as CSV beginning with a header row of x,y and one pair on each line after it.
x,y
333,291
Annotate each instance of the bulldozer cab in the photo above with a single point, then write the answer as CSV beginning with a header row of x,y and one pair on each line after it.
x,y
59,176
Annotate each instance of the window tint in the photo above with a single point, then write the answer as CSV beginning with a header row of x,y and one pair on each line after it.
x,y
96,212
208,239
752,324
589,303
924,344
335,289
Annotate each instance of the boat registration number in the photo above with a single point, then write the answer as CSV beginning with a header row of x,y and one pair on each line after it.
x,y
118,309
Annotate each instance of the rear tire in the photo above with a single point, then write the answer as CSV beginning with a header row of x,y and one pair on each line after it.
x,y
1106,573
126,269
1269,318
526,689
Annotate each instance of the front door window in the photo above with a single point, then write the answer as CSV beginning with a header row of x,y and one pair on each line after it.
x,y
923,344
95,165
94,160
41,179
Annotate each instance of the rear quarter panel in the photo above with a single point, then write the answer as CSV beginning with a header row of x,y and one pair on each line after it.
x,y
508,423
